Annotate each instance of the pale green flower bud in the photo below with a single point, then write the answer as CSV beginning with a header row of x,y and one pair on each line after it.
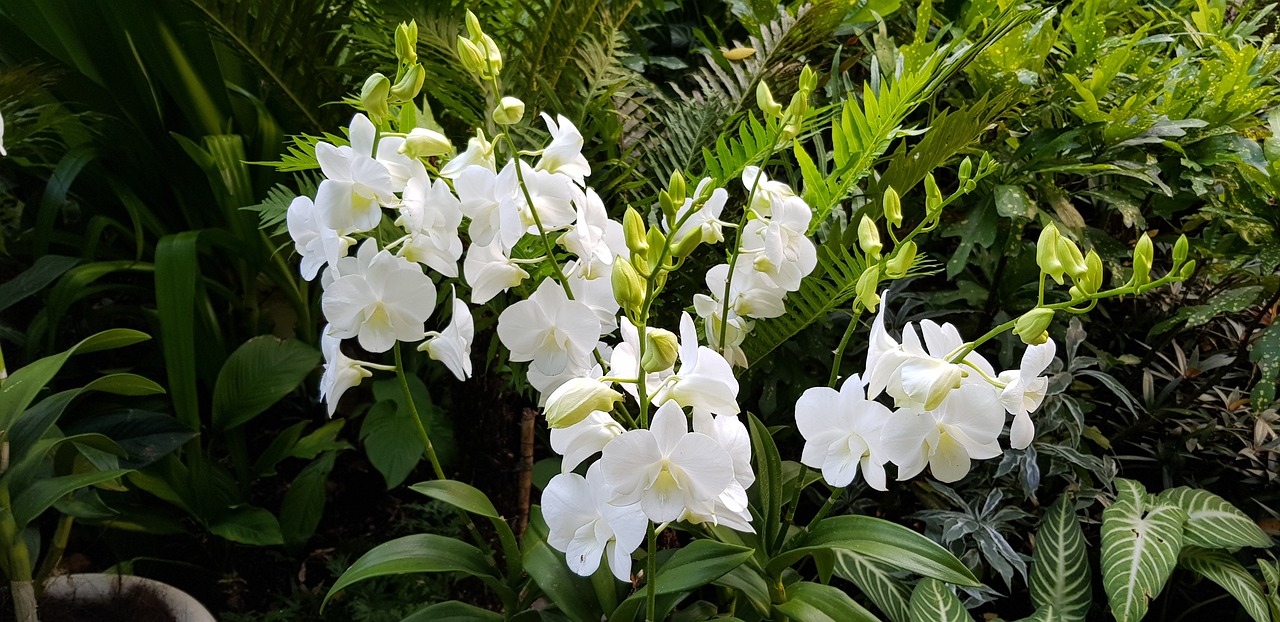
x,y
424,143
768,105
628,288
509,111
677,189
1143,255
869,237
893,207
1187,270
374,97
902,260
1180,250
407,42
866,287
661,348
655,240
808,80
473,25
410,84
798,107
577,398
471,56
1091,281
1047,253
633,230
966,170
687,246
1071,258
1033,326
668,206
932,194
492,54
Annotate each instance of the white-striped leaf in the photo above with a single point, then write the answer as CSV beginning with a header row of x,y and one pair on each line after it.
x,y
933,601
1212,523
1141,537
1060,572
876,580
1223,569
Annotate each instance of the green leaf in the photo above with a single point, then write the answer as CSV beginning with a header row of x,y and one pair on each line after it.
x,y
1060,572
1223,569
880,539
144,436
815,602
546,566
391,442
1212,523
453,611
1013,202
303,504
768,485
933,601
459,495
698,563
177,275
44,271
249,525
42,494
23,385
258,374
124,384
875,578
1140,544
1265,353
417,553
746,581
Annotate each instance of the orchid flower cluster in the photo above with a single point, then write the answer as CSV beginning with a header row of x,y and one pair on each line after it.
x,y
399,212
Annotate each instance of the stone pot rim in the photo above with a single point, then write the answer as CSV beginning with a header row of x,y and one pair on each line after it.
x,y
98,586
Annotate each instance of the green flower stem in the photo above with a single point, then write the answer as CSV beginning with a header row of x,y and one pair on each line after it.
x,y
844,342
826,508
650,576
56,547
19,563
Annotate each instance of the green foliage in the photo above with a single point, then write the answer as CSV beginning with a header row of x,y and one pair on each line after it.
x,y
1060,576
932,600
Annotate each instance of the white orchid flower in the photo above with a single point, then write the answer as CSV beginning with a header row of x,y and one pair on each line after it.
x,y
842,433
624,361
552,194
914,376
585,526
751,294
767,191
596,293
583,439
356,186
548,329
341,372
384,299
736,331
489,272
964,427
779,245
488,204
1024,391
479,152
732,435
595,238
564,154
318,245
666,468
431,215
2,151
704,380
452,346
704,222
581,365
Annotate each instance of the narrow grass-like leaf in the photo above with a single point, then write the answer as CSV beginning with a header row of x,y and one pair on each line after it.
x,y
768,486
177,273
698,563
879,539
1140,544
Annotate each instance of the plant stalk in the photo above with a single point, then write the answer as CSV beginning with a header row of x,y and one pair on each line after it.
x,y
650,576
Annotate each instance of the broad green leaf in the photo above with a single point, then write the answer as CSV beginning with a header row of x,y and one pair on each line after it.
x,y
1223,569
875,578
933,601
882,540
391,442
1212,523
815,602
747,582
453,611
260,372
124,384
1140,544
768,486
304,502
44,271
698,563
144,436
42,494
459,495
322,439
1265,353
23,385
1013,202
417,553
1060,571
546,566
249,525
177,276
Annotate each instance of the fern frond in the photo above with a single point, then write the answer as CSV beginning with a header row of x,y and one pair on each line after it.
x,y
273,211
832,284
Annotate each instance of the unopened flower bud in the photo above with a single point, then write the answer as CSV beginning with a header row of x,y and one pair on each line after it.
x,y
1091,281
491,54
577,398
471,56
656,241
966,169
1187,270
1033,324
373,96
808,80
1047,253
932,194
424,143
798,108
903,258
1143,255
1070,257
893,207
473,25
768,105
687,246
1180,250
866,287
677,188
407,42
668,206
633,230
410,84
509,111
628,288
869,237
661,347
